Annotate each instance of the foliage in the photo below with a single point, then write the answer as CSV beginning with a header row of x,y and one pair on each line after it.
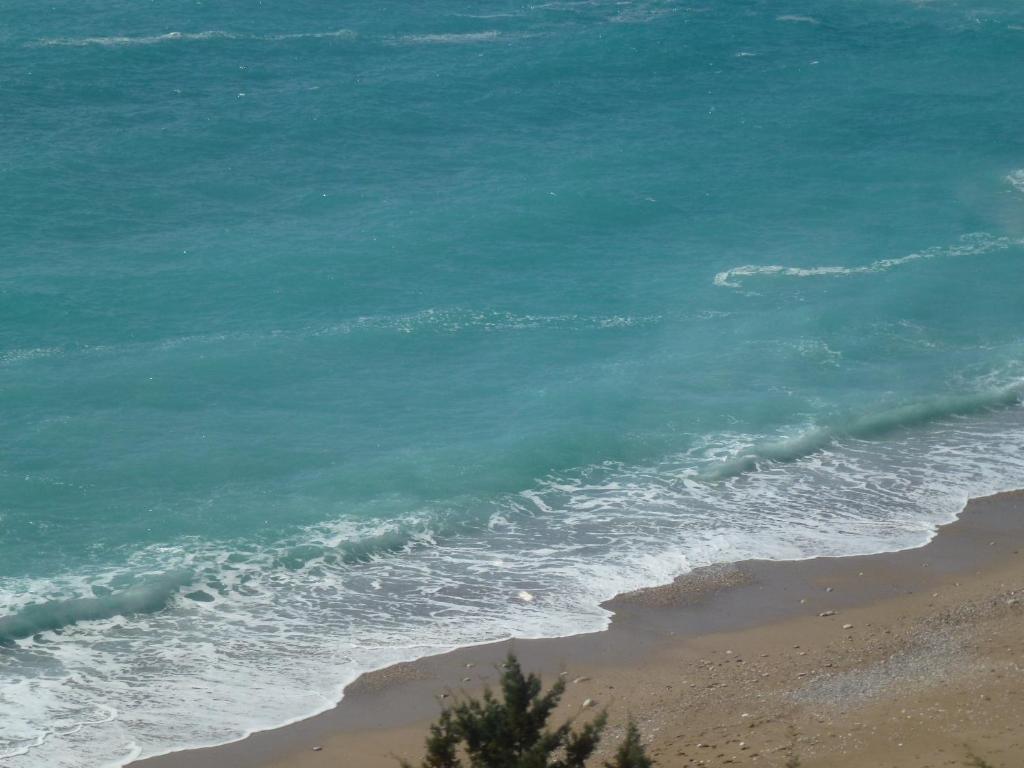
x,y
511,732
631,752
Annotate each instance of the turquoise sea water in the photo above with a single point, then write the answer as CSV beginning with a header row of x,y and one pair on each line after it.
x,y
332,335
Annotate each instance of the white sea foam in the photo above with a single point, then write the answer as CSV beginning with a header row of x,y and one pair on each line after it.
x,y
11,356
643,14
794,18
975,244
487,15
304,618
121,40
1016,179
448,38
342,34
459,320
113,41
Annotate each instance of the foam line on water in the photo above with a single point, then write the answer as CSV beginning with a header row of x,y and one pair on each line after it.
x,y
462,38
432,320
116,41
974,244
794,18
112,41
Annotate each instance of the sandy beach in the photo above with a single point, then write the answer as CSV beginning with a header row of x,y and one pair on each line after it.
x,y
906,659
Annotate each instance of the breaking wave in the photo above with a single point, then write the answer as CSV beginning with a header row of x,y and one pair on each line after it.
x,y
150,595
865,428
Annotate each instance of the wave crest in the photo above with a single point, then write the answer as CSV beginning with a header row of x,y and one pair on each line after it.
x,y
148,596
865,428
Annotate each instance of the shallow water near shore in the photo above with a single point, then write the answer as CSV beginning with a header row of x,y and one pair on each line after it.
x,y
331,338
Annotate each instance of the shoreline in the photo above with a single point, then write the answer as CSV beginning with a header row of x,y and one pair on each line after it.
x,y
386,712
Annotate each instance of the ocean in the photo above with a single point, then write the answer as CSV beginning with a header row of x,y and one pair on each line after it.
x,y
335,335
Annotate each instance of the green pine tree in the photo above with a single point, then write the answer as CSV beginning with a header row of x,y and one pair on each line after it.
x,y
631,752
511,732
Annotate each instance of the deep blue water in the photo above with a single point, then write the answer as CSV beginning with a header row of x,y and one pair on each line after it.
x,y
331,335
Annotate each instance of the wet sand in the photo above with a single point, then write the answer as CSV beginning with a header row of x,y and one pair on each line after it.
x,y
907,659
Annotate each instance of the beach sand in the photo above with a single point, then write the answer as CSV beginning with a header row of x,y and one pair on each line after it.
x,y
907,659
